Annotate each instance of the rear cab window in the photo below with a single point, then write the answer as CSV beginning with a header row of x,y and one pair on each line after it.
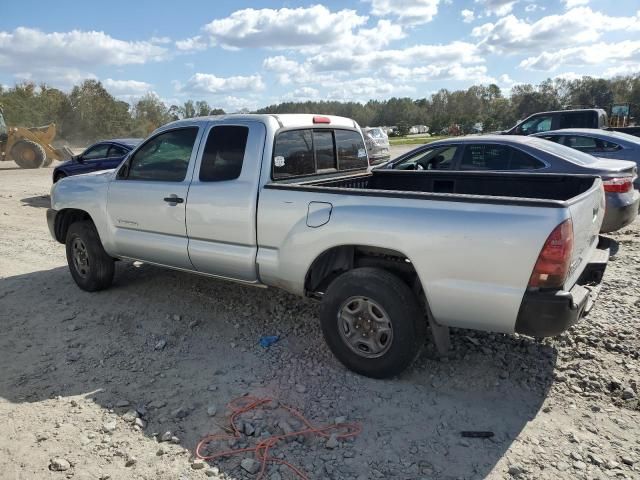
x,y
313,151
224,153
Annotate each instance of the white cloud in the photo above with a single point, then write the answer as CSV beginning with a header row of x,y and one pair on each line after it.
x,y
468,16
626,53
412,12
28,47
575,3
291,28
454,61
206,83
161,40
232,104
534,7
472,74
498,7
577,26
303,94
126,87
191,44
365,88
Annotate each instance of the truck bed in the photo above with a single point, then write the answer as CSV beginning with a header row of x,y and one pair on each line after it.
x,y
511,188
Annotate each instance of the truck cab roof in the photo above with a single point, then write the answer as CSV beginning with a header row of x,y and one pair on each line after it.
x,y
288,120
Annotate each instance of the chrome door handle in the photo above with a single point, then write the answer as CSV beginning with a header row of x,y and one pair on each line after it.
x,y
174,199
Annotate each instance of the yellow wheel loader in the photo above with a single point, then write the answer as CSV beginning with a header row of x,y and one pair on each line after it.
x,y
30,147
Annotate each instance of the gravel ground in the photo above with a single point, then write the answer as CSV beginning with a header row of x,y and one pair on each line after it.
x,y
123,383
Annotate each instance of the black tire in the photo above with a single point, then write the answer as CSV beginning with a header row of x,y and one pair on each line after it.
x,y
59,176
397,306
47,162
28,154
92,270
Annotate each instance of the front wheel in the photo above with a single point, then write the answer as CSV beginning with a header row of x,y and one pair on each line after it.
x,y
28,154
91,267
372,322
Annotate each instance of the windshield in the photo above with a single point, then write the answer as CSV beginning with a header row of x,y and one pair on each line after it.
x,y
568,153
375,133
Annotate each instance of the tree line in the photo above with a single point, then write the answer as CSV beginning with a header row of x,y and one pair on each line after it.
x,y
89,112
482,104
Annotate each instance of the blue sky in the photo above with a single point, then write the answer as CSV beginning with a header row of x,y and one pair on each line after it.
x,y
250,54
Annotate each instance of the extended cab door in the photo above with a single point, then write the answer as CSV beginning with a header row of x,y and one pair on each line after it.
x,y
146,200
222,203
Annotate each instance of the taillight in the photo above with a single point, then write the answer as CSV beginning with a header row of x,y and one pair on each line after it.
x,y
618,185
319,119
552,266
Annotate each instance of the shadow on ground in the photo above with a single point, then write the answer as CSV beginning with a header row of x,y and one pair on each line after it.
x,y
39,201
168,341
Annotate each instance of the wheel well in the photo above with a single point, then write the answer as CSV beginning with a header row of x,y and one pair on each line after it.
x,y
337,260
58,176
65,218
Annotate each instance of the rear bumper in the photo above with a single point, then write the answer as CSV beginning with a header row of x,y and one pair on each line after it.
x,y
549,313
620,211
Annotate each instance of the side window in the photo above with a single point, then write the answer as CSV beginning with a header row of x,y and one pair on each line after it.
x,y
523,161
293,154
586,144
116,151
536,125
99,151
325,153
431,159
485,157
351,150
497,157
577,120
223,153
165,157
605,146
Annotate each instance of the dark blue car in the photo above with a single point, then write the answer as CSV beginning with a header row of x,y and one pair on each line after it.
x,y
100,156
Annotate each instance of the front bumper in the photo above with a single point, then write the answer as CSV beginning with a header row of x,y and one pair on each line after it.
x,y
51,221
549,313
620,211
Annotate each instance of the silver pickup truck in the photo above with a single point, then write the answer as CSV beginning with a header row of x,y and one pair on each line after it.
x,y
287,201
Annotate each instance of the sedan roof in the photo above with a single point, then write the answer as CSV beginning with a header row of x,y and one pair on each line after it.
x,y
127,142
594,132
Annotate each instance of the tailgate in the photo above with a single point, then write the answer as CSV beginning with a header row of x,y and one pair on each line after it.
x,y
587,212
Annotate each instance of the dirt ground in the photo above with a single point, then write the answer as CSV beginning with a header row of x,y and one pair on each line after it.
x,y
123,383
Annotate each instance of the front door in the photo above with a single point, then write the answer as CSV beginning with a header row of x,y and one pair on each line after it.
x,y
147,200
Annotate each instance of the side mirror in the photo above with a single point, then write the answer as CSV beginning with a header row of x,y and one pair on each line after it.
x,y
78,158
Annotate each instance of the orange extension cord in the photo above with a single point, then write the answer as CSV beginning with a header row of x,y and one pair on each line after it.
x,y
242,405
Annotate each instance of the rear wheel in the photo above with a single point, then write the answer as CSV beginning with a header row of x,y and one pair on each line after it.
x,y
372,322
91,267
28,154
